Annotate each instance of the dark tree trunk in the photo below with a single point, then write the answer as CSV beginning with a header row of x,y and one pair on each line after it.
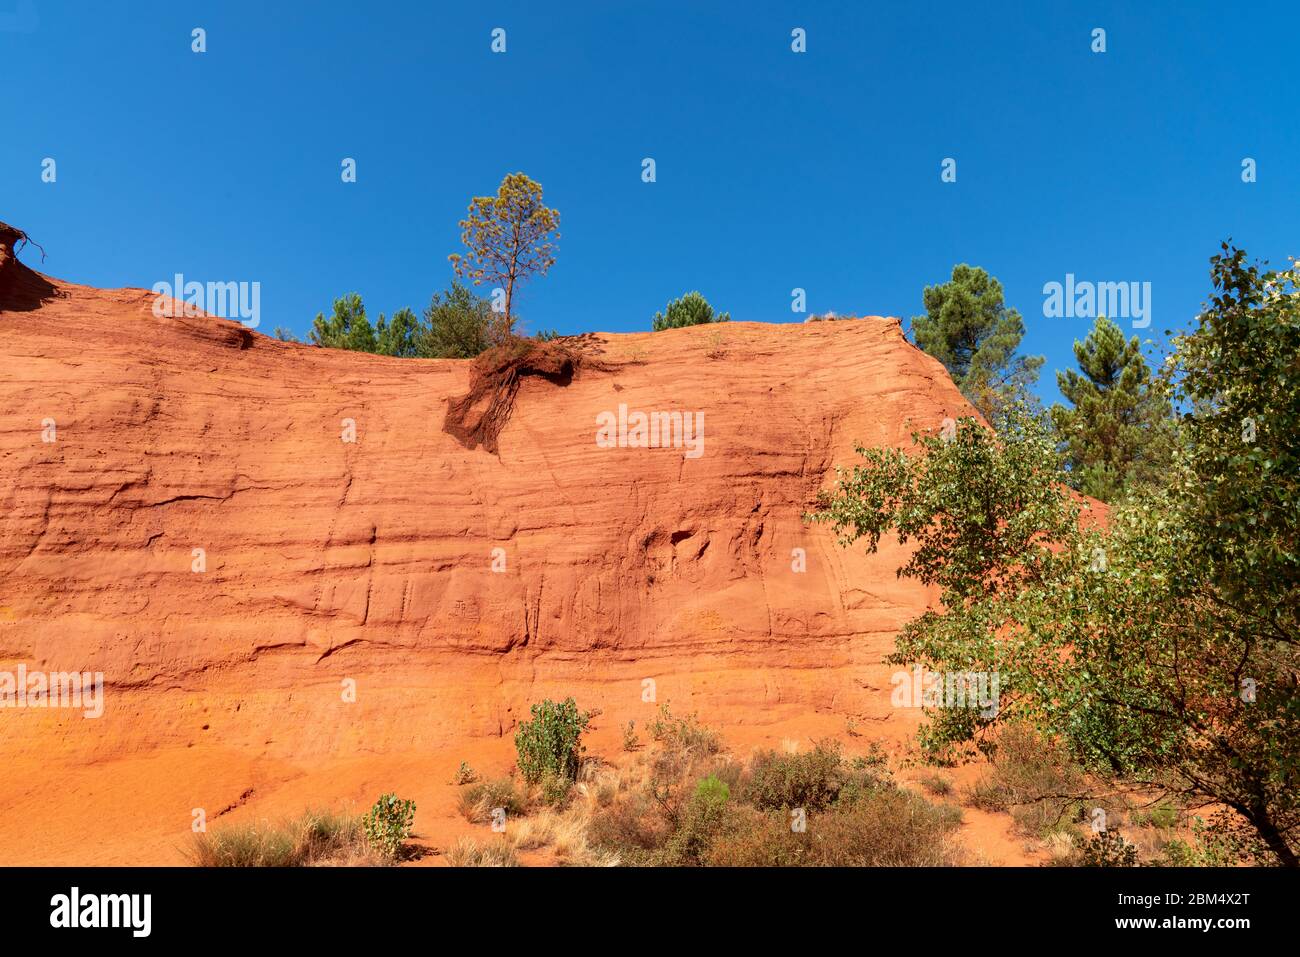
x,y
1268,830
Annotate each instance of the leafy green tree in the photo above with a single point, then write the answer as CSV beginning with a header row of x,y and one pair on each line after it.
x,y
1107,640
1119,429
691,309
1238,375
1163,646
346,328
456,325
969,328
510,237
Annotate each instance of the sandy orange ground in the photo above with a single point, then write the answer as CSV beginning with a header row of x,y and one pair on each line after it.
x,y
132,810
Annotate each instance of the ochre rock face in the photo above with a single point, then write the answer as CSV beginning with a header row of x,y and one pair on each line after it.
x,y
443,588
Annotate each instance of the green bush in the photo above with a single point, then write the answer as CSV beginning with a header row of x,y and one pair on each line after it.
x,y
701,822
1108,849
811,780
1160,815
691,309
464,774
552,740
456,325
388,824
712,791
1209,847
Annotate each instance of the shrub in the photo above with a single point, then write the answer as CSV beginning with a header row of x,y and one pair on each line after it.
x,y
556,789
464,774
630,741
712,791
861,783
1209,847
479,800
1032,778
388,824
874,762
730,773
1160,815
701,823
811,780
683,734
889,828
1108,849
667,784
681,814
936,784
671,798
631,826
691,309
552,740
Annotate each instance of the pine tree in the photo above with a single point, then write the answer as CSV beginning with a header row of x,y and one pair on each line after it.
x,y
346,328
969,328
691,309
510,237
400,336
1118,432
457,325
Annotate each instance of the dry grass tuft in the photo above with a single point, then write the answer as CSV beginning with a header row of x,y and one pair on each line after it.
x,y
467,852
314,839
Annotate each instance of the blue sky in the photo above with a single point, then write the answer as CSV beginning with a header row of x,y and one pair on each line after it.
x,y
775,170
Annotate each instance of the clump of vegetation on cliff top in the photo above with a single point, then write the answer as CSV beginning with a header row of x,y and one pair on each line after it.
x,y
691,309
970,329
509,238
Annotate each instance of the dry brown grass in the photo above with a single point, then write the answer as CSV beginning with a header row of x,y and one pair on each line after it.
x,y
467,852
477,801
313,839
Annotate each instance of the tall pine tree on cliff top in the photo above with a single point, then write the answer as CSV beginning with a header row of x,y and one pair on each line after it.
x,y
969,328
